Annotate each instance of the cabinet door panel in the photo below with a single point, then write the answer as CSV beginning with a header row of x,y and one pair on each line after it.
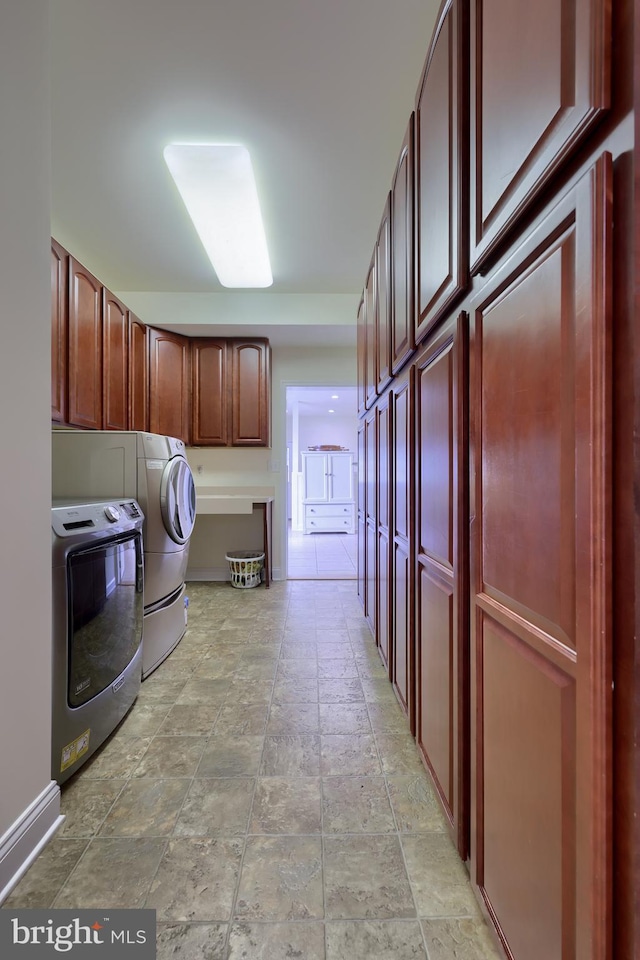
x,y
340,470
402,325
250,393
383,559
315,468
402,670
169,384
442,654
441,178
59,304
370,342
539,80
362,532
541,619
210,424
361,335
115,376
383,300
138,375
85,348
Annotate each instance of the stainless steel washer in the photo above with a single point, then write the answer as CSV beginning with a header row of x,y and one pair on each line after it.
x,y
97,578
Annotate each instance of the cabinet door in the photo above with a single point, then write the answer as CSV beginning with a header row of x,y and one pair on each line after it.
x,y
541,583
250,393
115,358
402,325
371,518
169,384
210,423
59,304
362,517
370,345
402,667
315,468
361,334
383,559
340,468
441,173
383,300
539,81
85,348
138,375
442,641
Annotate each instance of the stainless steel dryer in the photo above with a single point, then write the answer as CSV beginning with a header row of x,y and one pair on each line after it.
x,y
97,578
153,469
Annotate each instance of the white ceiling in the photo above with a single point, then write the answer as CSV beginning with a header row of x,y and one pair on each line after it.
x,y
317,401
320,91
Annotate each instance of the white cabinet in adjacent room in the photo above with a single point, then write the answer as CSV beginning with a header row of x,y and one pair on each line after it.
x,y
328,492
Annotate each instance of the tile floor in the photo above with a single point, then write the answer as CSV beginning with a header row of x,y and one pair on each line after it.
x,y
322,556
265,797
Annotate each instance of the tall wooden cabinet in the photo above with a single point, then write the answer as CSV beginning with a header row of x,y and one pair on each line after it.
x,y
511,415
59,331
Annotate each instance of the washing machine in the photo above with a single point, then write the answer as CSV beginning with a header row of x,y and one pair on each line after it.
x,y
154,470
97,619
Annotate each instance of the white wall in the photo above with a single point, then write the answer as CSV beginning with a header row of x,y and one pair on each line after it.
x,y
342,431
29,802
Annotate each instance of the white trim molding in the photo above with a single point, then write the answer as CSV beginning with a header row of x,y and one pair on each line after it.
x,y
27,837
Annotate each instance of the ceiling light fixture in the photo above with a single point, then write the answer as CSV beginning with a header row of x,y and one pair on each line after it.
x,y
334,396
218,189
331,411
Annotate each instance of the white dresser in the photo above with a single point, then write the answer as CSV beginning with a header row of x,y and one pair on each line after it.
x,y
328,492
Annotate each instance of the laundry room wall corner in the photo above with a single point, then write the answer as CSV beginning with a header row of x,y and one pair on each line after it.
x,y
29,799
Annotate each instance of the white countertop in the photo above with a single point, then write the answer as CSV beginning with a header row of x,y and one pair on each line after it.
x,y
224,500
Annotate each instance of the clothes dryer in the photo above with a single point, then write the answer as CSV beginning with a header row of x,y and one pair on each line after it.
x,y
154,470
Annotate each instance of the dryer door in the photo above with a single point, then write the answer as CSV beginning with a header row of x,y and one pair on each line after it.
x,y
178,499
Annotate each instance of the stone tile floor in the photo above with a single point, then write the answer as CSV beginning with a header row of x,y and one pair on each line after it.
x,y
321,556
265,797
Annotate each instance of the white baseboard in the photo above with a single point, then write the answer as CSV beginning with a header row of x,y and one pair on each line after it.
x,y
28,836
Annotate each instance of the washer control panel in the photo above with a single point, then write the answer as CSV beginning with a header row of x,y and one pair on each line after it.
x,y
70,518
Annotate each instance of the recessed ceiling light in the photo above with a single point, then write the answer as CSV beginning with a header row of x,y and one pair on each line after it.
x,y
331,411
218,189
334,396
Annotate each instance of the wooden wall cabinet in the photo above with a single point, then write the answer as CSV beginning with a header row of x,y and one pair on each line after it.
x,y
250,393
441,171
541,635
210,413
384,438
138,375
370,336
59,330
231,392
402,670
383,301
115,359
361,515
441,572
402,271
169,384
84,372
371,518
540,79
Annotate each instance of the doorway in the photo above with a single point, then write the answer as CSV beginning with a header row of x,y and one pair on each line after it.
x,y
318,416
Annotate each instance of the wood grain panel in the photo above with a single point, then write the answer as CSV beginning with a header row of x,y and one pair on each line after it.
x,y
436,680
539,81
361,506
529,800
441,178
541,619
383,632
250,393
384,579
210,400
383,300
370,336
442,638
402,294
169,384
85,348
115,355
138,375
402,594
361,335
59,320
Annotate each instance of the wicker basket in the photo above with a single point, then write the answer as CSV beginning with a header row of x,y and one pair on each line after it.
x,y
246,568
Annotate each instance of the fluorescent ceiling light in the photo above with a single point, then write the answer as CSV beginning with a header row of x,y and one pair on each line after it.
x,y
217,186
